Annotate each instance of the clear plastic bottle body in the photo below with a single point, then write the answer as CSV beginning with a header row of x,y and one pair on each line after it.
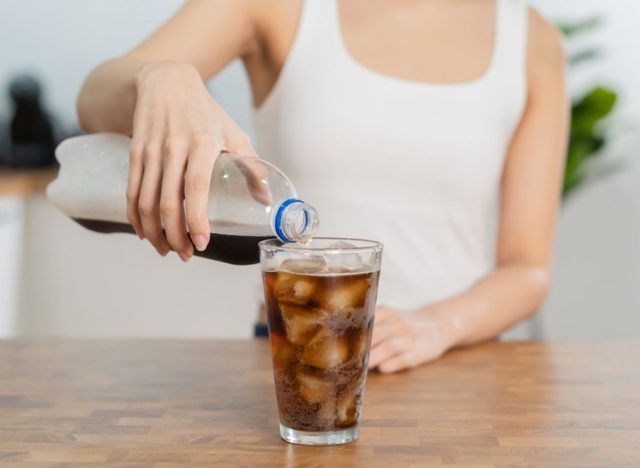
x,y
249,199
255,197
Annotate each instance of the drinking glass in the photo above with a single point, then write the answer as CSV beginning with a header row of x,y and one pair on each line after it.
x,y
320,299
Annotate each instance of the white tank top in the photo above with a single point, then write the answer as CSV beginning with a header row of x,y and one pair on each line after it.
x,y
414,165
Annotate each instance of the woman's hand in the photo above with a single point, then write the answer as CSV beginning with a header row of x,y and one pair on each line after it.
x,y
405,340
178,132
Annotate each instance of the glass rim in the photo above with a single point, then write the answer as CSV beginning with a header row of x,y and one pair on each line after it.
x,y
274,244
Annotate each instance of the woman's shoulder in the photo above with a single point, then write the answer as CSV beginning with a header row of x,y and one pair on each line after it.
x,y
545,42
276,22
274,15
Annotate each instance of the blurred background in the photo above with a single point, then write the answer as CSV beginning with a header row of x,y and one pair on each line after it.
x,y
58,279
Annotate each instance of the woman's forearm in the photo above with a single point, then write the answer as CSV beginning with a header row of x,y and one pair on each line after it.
x,y
107,98
501,299
402,340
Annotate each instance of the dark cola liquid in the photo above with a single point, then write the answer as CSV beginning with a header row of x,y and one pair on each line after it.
x,y
320,328
227,248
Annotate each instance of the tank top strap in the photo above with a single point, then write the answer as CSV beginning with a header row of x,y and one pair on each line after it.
x,y
511,38
318,31
327,18
309,23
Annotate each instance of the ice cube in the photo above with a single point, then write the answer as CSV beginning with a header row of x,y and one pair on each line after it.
x,y
346,409
346,262
352,261
327,412
294,289
325,351
313,388
281,350
304,266
347,295
300,323
342,244
269,263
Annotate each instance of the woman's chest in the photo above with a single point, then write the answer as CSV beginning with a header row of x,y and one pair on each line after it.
x,y
391,141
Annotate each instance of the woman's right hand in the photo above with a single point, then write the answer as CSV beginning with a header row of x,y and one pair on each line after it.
x,y
178,132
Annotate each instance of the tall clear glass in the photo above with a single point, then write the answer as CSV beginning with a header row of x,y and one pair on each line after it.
x,y
320,300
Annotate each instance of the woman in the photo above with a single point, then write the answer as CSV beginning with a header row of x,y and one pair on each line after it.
x,y
400,120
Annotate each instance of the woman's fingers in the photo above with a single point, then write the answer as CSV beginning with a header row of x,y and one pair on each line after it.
x,y
386,323
172,197
175,144
384,314
149,199
255,173
136,156
398,362
385,330
203,154
387,349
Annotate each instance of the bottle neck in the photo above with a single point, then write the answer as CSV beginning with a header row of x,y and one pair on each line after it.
x,y
294,221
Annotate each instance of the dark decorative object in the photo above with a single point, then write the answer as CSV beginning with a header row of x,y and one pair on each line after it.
x,y
31,134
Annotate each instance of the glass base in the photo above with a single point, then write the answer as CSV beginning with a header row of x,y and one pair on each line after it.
x,y
320,438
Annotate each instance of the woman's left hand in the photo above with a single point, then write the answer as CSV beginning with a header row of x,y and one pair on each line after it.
x,y
404,340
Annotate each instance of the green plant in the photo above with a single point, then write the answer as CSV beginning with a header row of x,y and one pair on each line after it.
x,y
587,138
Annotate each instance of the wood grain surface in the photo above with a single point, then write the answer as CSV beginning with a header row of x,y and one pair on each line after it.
x,y
165,403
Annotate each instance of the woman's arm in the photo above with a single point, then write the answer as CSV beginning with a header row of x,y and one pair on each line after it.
x,y
529,201
156,93
204,35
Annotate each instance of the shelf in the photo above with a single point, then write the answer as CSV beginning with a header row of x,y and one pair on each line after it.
x,y
25,182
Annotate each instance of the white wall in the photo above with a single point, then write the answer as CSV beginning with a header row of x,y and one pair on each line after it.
x,y
76,282
619,39
11,230
80,283
62,40
596,290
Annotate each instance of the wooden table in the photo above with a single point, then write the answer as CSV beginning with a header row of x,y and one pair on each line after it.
x,y
204,402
